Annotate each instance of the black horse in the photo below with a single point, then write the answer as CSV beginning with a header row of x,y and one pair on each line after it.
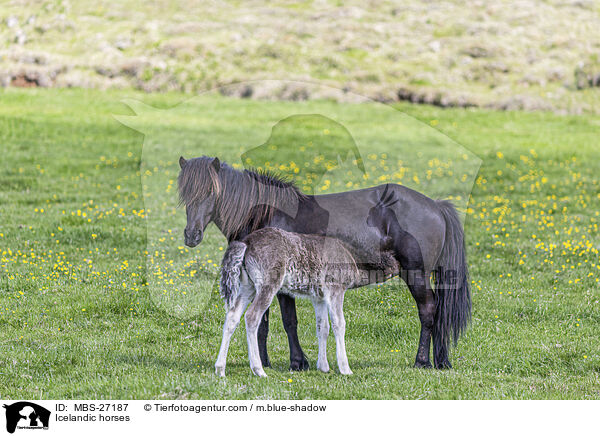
x,y
390,229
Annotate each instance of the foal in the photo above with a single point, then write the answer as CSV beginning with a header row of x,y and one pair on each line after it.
x,y
271,260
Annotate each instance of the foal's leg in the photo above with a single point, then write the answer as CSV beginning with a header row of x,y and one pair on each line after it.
x,y
338,323
322,332
262,301
232,319
287,305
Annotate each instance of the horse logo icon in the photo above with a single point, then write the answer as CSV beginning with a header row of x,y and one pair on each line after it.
x,y
26,415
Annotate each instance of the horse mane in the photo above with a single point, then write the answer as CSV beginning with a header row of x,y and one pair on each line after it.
x,y
197,179
244,200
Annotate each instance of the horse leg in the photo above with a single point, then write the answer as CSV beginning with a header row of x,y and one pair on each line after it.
x,y
322,321
262,301
408,253
417,283
287,304
338,323
263,332
232,319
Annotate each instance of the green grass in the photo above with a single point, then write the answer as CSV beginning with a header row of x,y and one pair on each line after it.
x,y
83,314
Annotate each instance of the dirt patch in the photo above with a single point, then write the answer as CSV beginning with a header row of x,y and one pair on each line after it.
x,y
23,81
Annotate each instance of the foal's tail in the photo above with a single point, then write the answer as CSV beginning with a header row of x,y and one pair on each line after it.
x,y
453,296
231,268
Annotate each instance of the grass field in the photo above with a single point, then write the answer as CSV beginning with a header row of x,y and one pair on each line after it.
x,y
515,55
78,317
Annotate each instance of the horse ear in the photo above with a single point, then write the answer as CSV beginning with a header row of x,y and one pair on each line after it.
x,y
359,160
216,164
182,162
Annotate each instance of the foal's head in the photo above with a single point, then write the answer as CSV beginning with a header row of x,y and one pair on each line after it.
x,y
199,187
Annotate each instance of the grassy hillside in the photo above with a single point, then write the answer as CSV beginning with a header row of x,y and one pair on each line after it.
x,y
78,317
508,55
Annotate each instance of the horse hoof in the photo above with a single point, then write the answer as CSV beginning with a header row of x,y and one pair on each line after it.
x,y
259,372
299,364
425,365
220,371
323,368
443,365
346,371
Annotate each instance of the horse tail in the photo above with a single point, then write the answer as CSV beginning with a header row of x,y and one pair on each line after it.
x,y
451,278
231,268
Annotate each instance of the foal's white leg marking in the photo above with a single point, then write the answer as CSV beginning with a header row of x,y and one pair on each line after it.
x,y
336,304
232,319
322,319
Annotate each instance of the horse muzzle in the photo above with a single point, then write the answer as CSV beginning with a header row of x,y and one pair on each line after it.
x,y
192,239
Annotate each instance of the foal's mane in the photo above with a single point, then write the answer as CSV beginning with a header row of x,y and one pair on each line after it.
x,y
243,199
